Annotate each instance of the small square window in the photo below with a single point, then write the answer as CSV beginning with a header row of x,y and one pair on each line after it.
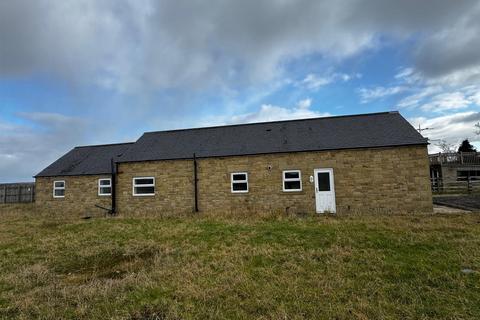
x,y
59,189
239,182
292,180
144,186
105,187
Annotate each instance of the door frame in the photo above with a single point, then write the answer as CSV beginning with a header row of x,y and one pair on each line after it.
x,y
332,187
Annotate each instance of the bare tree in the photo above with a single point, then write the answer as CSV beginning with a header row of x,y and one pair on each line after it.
x,y
445,146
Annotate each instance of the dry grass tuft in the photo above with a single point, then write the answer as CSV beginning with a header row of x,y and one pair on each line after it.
x,y
223,266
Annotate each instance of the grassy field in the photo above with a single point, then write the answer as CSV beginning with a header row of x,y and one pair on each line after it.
x,y
354,267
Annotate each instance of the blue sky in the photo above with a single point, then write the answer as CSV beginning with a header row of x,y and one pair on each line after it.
x,y
89,72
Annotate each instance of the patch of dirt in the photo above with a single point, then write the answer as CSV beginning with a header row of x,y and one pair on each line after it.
x,y
445,209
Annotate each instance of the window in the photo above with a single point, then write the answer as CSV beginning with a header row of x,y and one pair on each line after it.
x,y
59,189
239,182
292,180
323,181
105,187
144,186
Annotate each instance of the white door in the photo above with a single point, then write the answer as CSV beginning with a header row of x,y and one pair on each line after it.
x,y
324,190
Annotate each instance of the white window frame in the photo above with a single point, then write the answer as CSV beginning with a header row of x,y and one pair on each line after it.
x,y
292,179
100,186
232,182
55,188
143,185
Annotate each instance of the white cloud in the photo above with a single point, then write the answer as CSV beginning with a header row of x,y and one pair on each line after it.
x,y
314,81
269,112
26,149
370,94
414,100
149,45
475,97
452,128
440,98
438,94
447,101
304,104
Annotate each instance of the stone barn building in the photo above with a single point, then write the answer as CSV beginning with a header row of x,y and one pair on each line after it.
x,y
360,163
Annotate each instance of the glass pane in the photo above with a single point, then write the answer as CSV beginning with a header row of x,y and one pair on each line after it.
x,y
105,190
105,182
240,186
323,181
291,175
144,181
59,184
144,190
59,192
240,176
292,185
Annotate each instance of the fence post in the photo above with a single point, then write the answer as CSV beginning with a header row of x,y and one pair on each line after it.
x,y
4,194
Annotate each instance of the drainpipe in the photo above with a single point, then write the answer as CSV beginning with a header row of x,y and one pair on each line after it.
x,y
195,181
113,166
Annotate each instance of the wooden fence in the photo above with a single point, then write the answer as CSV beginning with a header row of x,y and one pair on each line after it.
x,y
464,186
17,192
455,158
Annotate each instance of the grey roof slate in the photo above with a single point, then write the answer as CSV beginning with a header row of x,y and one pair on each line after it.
x,y
328,133
85,160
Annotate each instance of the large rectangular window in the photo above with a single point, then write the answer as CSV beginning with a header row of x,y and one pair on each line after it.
x,y
239,182
105,187
59,189
292,180
144,186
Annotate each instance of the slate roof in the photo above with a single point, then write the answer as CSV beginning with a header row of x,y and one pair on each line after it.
x,y
328,133
372,130
85,160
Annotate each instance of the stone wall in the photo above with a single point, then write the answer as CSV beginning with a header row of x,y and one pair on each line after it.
x,y
366,180
81,195
174,189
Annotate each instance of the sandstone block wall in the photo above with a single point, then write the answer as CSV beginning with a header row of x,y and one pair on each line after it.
x,y
366,180
81,195
174,189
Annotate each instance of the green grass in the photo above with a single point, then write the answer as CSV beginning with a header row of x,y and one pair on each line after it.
x,y
353,267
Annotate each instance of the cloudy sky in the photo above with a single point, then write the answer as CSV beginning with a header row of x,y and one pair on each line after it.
x,y
78,72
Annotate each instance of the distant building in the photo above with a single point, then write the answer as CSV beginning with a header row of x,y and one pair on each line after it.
x,y
455,166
